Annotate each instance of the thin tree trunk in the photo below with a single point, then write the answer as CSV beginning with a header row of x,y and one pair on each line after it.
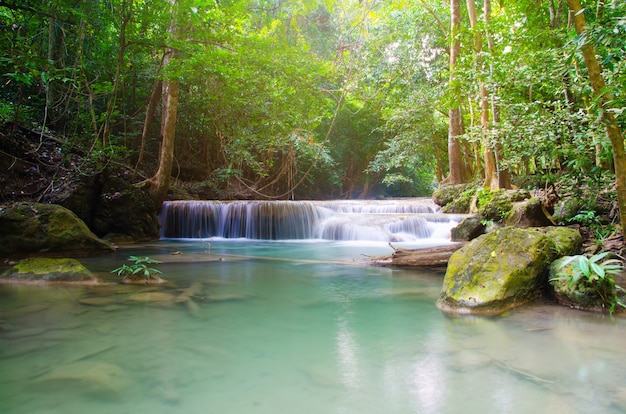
x,y
598,86
160,182
458,173
504,176
106,127
491,178
155,96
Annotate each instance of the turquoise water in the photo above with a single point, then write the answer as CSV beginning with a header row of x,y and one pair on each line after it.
x,y
294,328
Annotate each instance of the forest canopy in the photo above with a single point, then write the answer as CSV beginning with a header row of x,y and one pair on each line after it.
x,y
324,98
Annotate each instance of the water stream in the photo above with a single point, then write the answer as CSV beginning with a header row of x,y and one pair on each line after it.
x,y
293,326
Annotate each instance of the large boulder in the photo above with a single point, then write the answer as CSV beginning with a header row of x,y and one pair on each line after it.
x,y
33,228
125,209
503,269
110,204
529,213
39,269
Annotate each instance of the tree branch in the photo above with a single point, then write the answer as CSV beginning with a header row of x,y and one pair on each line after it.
x,y
35,11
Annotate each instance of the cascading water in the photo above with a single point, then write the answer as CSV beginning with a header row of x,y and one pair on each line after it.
x,y
388,220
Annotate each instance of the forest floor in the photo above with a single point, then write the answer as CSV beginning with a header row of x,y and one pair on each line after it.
x,y
34,165
31,164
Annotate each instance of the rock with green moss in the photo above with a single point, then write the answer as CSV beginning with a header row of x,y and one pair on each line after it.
x,y
39,269
567,241
529,213
496,205
582,294
455,198
500,270
33,228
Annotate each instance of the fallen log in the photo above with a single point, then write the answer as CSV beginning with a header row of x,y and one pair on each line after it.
x,y
426,257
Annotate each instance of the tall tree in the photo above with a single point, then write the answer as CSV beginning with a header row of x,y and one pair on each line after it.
x,y
489,158
599,89
458,171
158,184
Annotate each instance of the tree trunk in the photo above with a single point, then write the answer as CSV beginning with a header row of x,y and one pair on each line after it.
x,y
158,184
155,96
504,176
489,158
458,173
598,86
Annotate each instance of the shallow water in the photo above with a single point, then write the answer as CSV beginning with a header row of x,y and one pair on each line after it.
x,y
315,333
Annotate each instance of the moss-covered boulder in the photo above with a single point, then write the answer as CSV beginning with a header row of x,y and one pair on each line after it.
x,y
455,197
582,294
33,228
496,205
502,269
39,269
529,213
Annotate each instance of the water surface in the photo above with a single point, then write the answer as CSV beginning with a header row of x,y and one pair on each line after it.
x,y
286,327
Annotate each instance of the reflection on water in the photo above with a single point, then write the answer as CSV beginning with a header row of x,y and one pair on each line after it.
x,y
267,335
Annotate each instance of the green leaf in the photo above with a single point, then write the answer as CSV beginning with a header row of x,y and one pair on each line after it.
x,y
583,265
597,269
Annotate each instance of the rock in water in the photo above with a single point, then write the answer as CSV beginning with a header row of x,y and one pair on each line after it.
x,y
583,294
503,269
91,377
49,270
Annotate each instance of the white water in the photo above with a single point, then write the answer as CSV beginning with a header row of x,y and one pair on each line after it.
x,y
404,220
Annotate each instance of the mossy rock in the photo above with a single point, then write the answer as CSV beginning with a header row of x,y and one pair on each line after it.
x,y
468,229
582,294
29,228
448,193
38,269
529,213
567,241
497,205
499,270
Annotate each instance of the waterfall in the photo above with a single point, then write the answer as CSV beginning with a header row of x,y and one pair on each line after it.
x,y
388,220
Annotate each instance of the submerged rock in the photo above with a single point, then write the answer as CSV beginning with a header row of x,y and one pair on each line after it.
x,y
502,269
49,270
91,377
159,298
29,228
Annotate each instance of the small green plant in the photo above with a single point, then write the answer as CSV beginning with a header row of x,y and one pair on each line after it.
x,y
591,269
585,218
598,275
139,269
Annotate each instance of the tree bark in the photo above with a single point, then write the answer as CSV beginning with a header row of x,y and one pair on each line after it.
x,y
489,158
504,176
458,173
598,86
158,184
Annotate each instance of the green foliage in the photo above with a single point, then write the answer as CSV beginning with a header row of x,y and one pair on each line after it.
x,y
596,273
139,269
462,203
260,81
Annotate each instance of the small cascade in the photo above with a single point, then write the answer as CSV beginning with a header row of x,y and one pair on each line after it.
x,y
388,220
